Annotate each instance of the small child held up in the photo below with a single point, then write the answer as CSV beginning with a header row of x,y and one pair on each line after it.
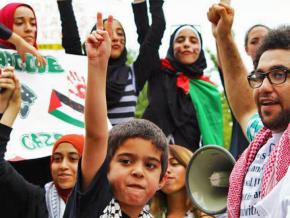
x,y
120,171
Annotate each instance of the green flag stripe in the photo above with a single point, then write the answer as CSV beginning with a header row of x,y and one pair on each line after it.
x,y
67,118
207,102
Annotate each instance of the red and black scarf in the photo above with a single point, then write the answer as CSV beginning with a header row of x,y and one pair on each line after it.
x,y
182,80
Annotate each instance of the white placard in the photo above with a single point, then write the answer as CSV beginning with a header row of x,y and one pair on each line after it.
x,y
52,102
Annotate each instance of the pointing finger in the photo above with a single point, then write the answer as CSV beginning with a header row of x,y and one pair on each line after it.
x,y
109,24
100,24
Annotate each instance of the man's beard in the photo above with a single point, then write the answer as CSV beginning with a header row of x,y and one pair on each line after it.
x,y
279,123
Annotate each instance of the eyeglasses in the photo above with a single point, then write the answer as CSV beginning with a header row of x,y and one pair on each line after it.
x,y
276,76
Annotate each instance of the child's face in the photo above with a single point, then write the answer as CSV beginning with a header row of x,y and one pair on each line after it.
x,y
134,172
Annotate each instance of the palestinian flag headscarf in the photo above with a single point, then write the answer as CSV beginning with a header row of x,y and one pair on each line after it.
x,y
7,19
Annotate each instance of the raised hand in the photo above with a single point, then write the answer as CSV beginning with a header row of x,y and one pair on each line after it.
x,y
98,44
13,108
96,142
7,86
15,99
23,47
221,16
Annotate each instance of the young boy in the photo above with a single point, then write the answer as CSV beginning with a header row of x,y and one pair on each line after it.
x,y
119,175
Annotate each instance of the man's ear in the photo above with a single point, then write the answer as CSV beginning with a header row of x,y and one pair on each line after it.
x,y
163,181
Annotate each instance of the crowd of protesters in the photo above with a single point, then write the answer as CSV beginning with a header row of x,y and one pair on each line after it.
x,y
138,168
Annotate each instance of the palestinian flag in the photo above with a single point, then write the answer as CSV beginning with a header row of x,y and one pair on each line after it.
x,y
207,101
66,109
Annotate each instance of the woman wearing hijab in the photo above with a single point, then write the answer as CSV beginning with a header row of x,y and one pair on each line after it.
x,y
123,82
182,101
23,199
66,153
18,197
16,14
19,18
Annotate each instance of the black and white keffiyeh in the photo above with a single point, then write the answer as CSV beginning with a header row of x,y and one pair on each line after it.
x,y
189,214
113,210
54,203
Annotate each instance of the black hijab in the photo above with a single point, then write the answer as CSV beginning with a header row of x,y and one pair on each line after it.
x,y
190,70
117,75
185,126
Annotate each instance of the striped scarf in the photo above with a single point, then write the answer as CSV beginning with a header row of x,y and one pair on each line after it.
x,y
275,168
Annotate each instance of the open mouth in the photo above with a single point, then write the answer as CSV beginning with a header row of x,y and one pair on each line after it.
x,y
268,99
268,102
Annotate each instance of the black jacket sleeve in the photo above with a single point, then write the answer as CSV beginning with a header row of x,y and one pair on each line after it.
x,y
18,198
4,139
148,58
71,41
5,33
141,20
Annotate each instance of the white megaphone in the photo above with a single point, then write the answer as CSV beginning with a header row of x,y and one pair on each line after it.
x,y
207,178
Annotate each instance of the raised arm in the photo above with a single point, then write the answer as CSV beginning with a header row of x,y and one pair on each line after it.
x,y
240,94
9,97
5,33
96,141
141,19
12,184
21,45
71,41
7,86
9,108
148,52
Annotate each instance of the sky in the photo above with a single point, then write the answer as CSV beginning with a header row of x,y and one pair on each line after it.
x,y
247,13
